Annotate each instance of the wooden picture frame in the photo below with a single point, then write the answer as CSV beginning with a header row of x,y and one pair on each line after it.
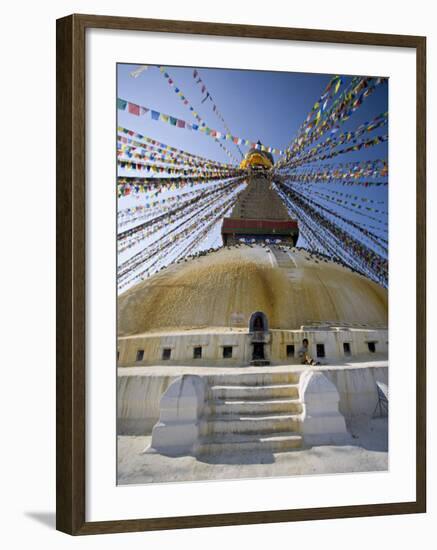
x,y
71,253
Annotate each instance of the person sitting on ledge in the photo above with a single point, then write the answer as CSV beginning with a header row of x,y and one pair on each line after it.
x,y
305,357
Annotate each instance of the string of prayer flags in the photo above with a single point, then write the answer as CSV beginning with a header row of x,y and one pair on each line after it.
x,y
159,169
314,115
341,139
350,204
363,209
354,197
145,229
187,104
153,145
355,147
154,205
184,196
139,110
197,78
196,115
340,111
351,250
127,186
376,239
339,172
141,153
190,231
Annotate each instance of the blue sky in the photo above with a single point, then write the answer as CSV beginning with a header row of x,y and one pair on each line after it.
x,y
265,105
256,105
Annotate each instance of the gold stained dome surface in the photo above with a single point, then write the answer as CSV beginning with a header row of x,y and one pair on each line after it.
x,y
291,287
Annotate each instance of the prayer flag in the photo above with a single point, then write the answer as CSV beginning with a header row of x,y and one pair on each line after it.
x,y
137,72
121,104
133,109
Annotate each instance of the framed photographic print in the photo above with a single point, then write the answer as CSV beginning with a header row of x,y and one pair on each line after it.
x,y
241,274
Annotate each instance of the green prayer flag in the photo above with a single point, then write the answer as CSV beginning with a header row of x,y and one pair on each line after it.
x,y
121,104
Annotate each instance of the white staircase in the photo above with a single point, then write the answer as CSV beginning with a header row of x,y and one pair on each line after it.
x,y
257,413
284,259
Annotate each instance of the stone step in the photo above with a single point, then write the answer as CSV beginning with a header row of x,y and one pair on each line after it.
x,y
285,262
254,379
238,443
259,363
253,392
283,259
235,406
233,423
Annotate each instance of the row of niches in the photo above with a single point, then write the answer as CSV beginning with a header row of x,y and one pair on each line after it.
x,y
227,352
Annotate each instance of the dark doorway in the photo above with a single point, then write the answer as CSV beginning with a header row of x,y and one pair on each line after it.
x,y
258,322
258,352
371,346
227,352
320,348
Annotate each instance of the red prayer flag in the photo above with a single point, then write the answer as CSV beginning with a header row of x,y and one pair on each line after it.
x,y
133,109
